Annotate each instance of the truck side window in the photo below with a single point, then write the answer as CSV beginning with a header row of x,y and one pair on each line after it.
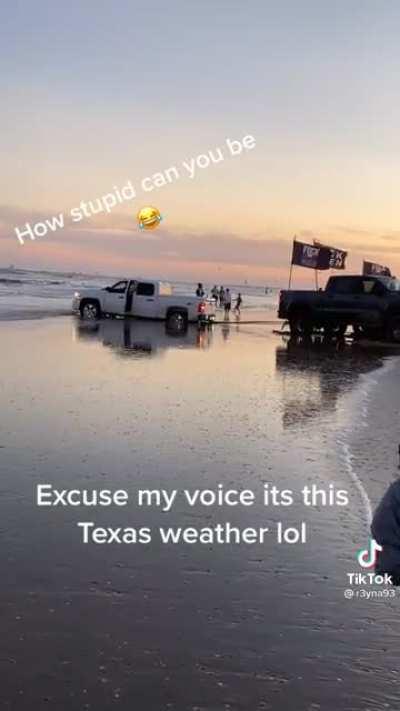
x,y
367,286
144,289
344,285
119,287
379,289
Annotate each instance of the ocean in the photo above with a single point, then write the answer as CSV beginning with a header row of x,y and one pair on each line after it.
x,y
28,293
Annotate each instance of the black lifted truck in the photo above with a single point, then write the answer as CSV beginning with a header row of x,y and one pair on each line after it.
x,y
370,304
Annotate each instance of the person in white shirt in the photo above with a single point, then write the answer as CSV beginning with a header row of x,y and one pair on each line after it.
x,y
227,301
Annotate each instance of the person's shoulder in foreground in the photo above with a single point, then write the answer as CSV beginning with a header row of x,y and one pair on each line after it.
x,y
385,529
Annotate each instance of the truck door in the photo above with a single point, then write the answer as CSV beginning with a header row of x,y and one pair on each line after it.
x,y
339,303
129,297
115,297
369,302
145,300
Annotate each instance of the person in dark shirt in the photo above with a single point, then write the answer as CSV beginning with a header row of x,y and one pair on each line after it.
x,y
199,290
238,303
385,529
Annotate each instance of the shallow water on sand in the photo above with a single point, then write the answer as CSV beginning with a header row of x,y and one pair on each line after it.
x,y
124,405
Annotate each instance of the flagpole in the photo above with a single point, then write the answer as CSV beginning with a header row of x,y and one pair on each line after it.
x,y
291,264
290,276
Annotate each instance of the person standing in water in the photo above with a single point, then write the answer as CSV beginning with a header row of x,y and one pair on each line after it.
x,y
238,303
221,296
200,290
227,302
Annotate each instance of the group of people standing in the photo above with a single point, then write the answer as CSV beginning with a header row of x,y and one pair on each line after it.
x,y
222,297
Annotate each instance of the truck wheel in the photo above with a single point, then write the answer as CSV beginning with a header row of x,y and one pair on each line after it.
x,y
90,310
177,322
300,324
393,329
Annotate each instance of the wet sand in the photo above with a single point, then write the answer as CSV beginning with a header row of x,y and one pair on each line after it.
x,y
125,405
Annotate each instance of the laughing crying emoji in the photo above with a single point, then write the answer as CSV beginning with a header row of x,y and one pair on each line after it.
x,y
149,218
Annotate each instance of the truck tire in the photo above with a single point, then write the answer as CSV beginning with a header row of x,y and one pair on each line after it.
x,y
300,323
90,310
393,329
177,321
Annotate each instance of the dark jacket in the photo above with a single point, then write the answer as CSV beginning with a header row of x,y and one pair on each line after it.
x,y
385,530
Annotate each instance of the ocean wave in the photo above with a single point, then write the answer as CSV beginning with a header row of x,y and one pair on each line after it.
x,y
12,281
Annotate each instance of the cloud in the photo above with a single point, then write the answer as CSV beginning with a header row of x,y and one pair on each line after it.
x,y
207,247
394,237
352,231
114,242
125,238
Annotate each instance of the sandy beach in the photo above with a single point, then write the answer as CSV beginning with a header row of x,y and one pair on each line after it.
x,y
122,404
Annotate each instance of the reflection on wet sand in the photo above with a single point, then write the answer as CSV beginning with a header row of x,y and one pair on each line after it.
x,y
314,376
184,627
136,338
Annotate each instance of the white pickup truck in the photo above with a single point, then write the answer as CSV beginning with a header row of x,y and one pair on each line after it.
x,y
144,299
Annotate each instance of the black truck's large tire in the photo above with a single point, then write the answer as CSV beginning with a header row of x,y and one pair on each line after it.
x,y
393,329
90,309
300,323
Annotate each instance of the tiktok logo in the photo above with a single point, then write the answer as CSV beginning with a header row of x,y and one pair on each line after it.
x,y
367,556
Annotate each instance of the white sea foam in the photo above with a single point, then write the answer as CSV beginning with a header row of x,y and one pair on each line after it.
x,y
361,399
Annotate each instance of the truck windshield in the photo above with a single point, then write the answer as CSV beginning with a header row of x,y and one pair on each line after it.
x,y
391,283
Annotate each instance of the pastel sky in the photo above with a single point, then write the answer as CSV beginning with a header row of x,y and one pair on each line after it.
x,y
97,93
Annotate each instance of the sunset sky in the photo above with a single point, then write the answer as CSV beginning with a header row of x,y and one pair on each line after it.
x,y
96,94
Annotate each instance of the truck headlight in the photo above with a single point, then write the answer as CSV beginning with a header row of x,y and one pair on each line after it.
x,y
76,295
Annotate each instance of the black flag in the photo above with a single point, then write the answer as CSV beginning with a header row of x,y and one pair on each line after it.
x,y
310,256
337,257
372,269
